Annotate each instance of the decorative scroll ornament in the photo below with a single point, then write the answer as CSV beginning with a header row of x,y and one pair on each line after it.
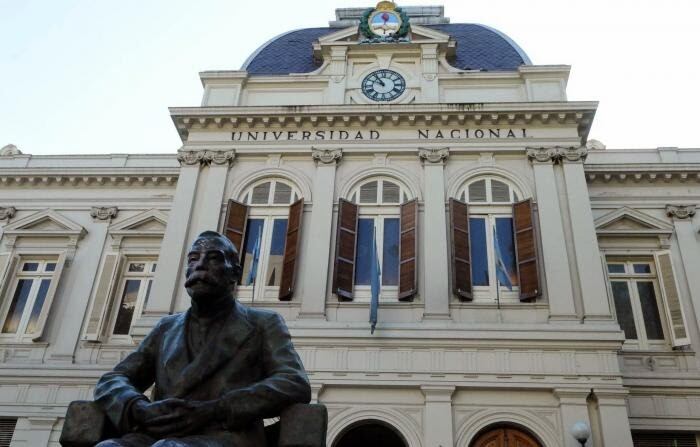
x,y
326,156
384,24
7,213
556,154
104,212
434,155
190,158
10,150
206,157
680,211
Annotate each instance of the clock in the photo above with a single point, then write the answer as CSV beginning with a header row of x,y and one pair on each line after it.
x,y
383,85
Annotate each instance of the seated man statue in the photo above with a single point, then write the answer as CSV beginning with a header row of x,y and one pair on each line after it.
x,y
219,368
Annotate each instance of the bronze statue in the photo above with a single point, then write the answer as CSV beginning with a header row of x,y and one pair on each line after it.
x,y
218,368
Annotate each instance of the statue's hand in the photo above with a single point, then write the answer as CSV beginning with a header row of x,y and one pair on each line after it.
x,y
160,418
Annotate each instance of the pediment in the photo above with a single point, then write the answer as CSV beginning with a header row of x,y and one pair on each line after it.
x,y
629,221
151,222
45,223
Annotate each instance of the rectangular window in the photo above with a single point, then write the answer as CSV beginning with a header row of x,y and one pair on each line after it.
x,y
134,291
32,285
263,257
491,238
387,233
636,297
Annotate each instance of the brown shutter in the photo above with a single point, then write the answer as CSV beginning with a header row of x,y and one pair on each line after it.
x,y
234,226
291,248
407,250
461,256
526,250
672,299
102,299
345,241
48,299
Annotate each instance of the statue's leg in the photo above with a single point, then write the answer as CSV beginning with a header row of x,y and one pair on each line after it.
x,y
218,440
129,440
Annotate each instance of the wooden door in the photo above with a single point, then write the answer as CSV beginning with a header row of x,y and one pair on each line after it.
x,y
505,437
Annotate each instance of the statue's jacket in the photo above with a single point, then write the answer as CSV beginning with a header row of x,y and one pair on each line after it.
x,y
250,366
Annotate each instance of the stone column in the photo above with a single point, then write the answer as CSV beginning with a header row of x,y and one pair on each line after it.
x,y
174,245
614,420
318,244
573,408
209,208
437,416
78,285
689,244
436,288
591,277
554,256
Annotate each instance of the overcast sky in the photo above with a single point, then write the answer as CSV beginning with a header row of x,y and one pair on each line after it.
x,y
85,76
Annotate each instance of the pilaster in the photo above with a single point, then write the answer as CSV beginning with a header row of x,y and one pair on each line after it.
x,y
318,245
591,277
614,420
170,260
555,256
689,244
436,292
214,173
573,408
430,92
437,417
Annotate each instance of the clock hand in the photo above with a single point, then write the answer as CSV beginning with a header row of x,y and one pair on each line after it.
x,y
382,82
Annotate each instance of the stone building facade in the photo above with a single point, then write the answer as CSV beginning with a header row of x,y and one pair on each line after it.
x,y
531,278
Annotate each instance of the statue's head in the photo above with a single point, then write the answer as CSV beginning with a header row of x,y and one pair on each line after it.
x,y
212,267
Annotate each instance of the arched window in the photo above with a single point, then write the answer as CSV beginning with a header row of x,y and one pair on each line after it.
x,y
382,211
485,206
266,207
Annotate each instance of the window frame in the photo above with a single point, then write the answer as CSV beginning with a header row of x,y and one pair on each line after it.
x,y
642,343
378,212
490,211
122,277
15,275
268,212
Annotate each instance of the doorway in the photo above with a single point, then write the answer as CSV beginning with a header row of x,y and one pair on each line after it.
x,y
370,434
505,437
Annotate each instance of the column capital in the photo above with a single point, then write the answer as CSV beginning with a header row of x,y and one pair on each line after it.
x,y
104,213
205,157
434,156
7,213
556,154
438,393
572,396
680,211
326,156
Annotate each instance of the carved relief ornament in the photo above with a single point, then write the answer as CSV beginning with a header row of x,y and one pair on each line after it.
x,y
556,154
434,155
680,211
205,157
326,156
104,212
7,213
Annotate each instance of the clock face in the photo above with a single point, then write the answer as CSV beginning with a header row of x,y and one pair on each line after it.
x,y
383,85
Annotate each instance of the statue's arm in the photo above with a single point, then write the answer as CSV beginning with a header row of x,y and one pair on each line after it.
x,y
286,382
118,389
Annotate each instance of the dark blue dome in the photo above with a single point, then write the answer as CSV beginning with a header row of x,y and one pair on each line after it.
x,y
478,48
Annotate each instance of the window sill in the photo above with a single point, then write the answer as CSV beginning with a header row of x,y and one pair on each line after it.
x,y
510,304
334,303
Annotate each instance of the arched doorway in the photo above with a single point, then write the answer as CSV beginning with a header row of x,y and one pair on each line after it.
x,y
370,434
507,436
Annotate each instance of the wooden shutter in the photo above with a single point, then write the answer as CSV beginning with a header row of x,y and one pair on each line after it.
x,y
106,284
234,226
7,430
526,250
50,295
669,439
291,248
8,264
461,256
345,246
671,298
408,248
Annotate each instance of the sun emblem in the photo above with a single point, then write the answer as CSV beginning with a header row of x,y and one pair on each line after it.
x,y
384,23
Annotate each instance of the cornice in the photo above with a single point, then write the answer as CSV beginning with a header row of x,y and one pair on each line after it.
x,y
87,177
656,172
577,113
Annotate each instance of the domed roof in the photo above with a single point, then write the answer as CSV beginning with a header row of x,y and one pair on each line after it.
x,y
478,48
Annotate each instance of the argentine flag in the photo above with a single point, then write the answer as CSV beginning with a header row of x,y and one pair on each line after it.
x,y
501,270
375,284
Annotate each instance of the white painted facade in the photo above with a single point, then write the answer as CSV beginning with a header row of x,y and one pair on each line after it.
x,y
438,370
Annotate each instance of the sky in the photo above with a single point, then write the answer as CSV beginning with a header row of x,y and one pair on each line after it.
x,y
87,76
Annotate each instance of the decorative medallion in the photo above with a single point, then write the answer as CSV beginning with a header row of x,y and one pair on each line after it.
x,y
383,85
385,23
